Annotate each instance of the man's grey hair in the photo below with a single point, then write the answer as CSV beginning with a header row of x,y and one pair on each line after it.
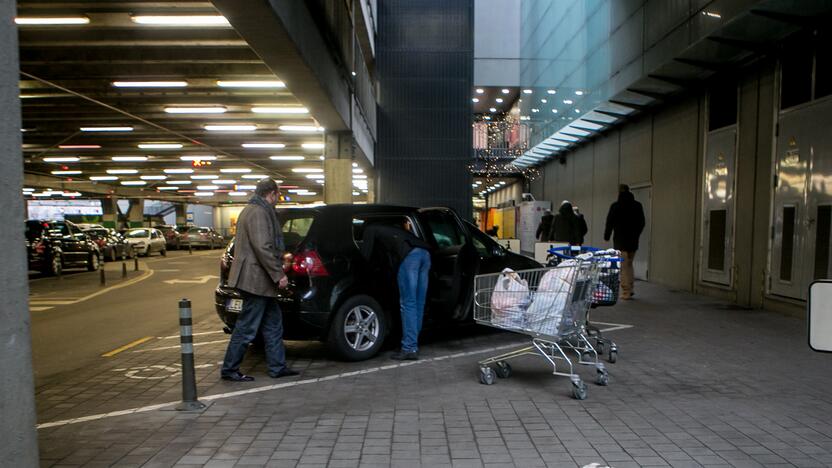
x,y
265,187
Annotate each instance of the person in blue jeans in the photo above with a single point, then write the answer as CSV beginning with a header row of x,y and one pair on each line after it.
x,y
409,256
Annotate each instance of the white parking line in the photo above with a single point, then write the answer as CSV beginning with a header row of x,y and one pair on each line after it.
x,y
296,383
39,309
147,274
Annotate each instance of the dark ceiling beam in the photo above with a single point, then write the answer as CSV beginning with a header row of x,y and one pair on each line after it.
x,y
751,46
649,94
788,18
170,70
628,104
680,82
716,67
617,115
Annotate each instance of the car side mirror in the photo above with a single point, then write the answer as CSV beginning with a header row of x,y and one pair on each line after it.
x,y
819,316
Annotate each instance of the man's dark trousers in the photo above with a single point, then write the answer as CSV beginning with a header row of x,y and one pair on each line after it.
x,y
256,310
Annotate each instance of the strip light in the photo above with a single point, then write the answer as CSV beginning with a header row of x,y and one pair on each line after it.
x,y
167,187
237,194
204,177
230,128
207,187
106,129
153,177
204,194
161,146
150,84
79,147
236,170
63,159
280,110
205,157
196,110
223,181
178,182
54,21
315,176
181,20
129,158
178,171
103,177
246,187
301,128
312,146
263,145
287,158
256,177
306,170
66,172
122,171
133,182
251,84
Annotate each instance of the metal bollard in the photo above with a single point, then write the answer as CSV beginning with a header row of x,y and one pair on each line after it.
x,y
123,269
136,263
190,249
186,340
103,278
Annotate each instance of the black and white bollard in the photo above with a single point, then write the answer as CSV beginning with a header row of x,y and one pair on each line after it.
x,y
190,249
103,278
123,269
186,340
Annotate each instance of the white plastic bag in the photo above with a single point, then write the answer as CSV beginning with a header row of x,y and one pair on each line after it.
x,y
546,310
509,300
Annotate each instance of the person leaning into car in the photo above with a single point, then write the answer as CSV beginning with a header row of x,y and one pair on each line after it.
x,y
410,258
258,274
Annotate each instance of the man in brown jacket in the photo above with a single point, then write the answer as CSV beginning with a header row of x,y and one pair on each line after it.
x,y
257,273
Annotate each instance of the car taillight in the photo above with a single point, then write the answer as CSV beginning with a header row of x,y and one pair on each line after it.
x,y
309,263
40,247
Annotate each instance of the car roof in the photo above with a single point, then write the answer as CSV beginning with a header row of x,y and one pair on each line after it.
x,y
348,208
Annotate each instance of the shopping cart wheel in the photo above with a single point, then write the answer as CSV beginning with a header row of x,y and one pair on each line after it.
x,y
503,370
603,378
613,356
599,346
486,376
579,390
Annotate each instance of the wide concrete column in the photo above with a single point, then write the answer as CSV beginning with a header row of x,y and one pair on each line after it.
x,y
181,214
17,395
338,156
109,209
135,215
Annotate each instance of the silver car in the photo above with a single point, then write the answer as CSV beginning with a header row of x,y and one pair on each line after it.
x,y
145,241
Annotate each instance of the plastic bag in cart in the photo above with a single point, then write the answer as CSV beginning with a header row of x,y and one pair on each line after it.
x,y
509,301
602,293
546,310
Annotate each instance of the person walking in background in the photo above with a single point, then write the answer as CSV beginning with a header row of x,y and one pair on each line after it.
x,y
625,222
582,226
409,256
545,226
565,226
257,273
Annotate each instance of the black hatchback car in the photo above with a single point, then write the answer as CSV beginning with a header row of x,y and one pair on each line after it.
x,y
52,246
333,289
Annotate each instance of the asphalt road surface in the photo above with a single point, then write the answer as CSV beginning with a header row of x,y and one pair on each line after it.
x,y
75,320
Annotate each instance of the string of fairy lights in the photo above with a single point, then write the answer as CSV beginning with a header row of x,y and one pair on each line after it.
x,y
497,145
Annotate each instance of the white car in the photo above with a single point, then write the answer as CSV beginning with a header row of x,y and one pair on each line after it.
x,y
145,241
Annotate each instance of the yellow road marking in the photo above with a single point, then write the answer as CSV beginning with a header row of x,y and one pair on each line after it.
x,y
127,346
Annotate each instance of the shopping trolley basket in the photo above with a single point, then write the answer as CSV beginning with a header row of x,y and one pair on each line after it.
x,y
547,304
605,293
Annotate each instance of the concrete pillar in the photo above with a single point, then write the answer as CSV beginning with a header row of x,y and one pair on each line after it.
x,y
181,214
135,216
17,395
371,189
109,209
338,155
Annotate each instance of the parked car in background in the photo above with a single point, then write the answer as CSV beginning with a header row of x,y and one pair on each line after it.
x,y
203,237
337,296
113,246
52,246
145,241
173,238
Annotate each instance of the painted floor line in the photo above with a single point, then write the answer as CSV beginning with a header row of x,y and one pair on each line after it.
x,y
296,383
147,274
195,334
39,309
162,348
129,345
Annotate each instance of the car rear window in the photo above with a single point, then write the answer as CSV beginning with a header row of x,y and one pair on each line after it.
x,y
360,223
296,225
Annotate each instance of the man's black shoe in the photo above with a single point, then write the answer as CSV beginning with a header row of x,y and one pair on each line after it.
x,y
238,377
285,372
405,356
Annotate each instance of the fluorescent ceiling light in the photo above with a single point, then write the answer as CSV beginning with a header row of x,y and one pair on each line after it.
x,y
53,21
315,176
178,182
167,187
178,171
246,187
493,109
237,194
551,91
263,145
122,171
207,187
204,157
223,181
567,101
106,129
181,20
196,110
499,100
505,91
204,194
28,189
357,171
480,90
301,128
577,111
475,100
104,177
527,91
150,84
235,170
254,176
286,158
544,101
230,128
554,111
306,194
279,110
312,146
133,182
305,170
579,93
66,172
63,159
153,177
160,145
79,146
129,158
359,176
355,194
204,177
251,84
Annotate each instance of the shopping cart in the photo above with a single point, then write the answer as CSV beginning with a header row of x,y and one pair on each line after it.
x,y
605,293
547,304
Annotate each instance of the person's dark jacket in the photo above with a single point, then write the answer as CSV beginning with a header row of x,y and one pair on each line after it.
x,y
390,243
257,265
566,226
582,228
544,227
625,221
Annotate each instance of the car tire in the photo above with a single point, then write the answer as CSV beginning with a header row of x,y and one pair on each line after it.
x,y
164,252
93,262
358,329
146,251
55,267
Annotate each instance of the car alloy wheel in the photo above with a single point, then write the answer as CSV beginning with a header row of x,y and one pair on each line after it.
x,y
361,328
93,262
57,265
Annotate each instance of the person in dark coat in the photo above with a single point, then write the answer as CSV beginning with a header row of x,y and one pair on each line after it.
x,y
625,222
582,226
545,226
565,226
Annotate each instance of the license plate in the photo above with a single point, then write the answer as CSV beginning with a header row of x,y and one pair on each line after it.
x,y
235,305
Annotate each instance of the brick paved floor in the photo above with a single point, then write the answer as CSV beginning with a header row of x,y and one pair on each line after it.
x,y
697,384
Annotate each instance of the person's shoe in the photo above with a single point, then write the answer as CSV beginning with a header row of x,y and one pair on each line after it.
x,y
405,356
285,372
238,377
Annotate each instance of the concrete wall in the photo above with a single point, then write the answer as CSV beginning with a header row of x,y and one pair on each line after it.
x,y
664,150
